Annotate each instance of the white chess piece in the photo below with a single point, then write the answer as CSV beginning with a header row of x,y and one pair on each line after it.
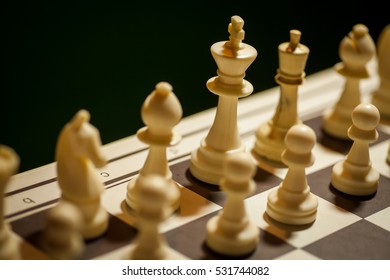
x,y
78,152
231,232
62,239
355,175
381,97
153,209
233,58
388,155
356,50
9,163
160,112
270,136
292,202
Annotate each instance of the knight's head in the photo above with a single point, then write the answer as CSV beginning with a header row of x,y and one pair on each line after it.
x,y
85,138
80,118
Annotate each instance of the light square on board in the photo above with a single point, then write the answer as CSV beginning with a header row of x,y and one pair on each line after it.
x,y
381,218
297,254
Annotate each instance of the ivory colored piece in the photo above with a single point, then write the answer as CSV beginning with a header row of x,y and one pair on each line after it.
x,y
270,136
62,238
355,50
231,232
355,175
381,97
232,58
388,154
153,209
160,112
78,152
9,163
292,202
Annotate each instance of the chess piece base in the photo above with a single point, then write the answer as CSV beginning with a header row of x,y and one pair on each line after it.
x,y
230,244
301,214
337,121
207,163
9,247
353,185
270,142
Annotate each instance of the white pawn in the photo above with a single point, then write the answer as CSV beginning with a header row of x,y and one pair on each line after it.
x,y
356,50
62,239
292,202
78,151
160,112
9,163
381,97
355,175
153,208
231,232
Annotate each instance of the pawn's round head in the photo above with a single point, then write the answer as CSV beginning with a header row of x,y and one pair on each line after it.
x,y
163,88
65,216
300,139
365,116
239,167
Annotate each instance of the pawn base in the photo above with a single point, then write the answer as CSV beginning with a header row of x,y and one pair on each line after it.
x,y
173,194
9,247
366,185
297,214
207,163
239,244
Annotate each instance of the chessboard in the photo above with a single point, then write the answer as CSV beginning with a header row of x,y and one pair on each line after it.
x,y
346,227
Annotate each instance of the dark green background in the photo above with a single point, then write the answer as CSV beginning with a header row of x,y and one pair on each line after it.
x,y
107,56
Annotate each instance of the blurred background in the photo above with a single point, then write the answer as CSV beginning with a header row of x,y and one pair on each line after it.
x,y
107,56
